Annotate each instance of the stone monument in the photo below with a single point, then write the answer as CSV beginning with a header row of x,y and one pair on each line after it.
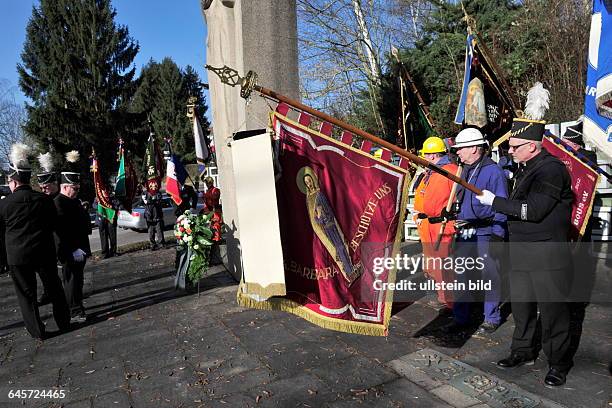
x,y
258,35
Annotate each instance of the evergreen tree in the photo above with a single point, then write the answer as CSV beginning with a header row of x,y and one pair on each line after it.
x,y
76,70
162,95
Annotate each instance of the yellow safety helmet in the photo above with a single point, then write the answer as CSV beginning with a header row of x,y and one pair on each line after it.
x,y
433,144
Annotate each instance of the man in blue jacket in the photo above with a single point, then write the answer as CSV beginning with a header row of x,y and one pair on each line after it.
x,y
478,227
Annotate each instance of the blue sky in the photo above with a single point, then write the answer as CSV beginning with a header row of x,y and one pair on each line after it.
x,y
162,28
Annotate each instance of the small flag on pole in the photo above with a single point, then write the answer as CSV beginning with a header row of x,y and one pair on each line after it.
x,y
200,144
105,207
175,178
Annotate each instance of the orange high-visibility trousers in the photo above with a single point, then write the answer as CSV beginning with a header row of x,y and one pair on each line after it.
x,y
431,196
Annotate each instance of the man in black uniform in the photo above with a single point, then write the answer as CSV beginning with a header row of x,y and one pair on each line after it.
x,y
47,181
27,219
539,215
73,228
154,215
108,232
189,199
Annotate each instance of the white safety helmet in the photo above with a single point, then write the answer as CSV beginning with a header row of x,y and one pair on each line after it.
x,y
469,137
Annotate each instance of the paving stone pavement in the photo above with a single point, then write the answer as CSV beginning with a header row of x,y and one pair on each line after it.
x,y
146,345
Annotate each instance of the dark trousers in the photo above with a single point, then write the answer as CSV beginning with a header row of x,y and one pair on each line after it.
x,y
24,279
108,237
478,246
546,290
72,273
159,228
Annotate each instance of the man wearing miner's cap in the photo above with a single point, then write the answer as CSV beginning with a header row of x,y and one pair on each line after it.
x,y
539,214
73,228
27,218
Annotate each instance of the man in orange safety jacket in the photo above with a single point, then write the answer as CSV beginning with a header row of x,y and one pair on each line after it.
x,y
430,202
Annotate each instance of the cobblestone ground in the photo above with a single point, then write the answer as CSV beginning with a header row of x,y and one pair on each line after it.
x,y
146,345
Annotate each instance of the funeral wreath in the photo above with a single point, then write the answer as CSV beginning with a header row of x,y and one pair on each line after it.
x,y
193,233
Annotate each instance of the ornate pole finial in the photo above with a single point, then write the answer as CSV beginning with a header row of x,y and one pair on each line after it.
x,y
230,76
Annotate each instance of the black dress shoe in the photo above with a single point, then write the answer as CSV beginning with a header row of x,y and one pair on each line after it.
x,y
516,361
487,328
555,377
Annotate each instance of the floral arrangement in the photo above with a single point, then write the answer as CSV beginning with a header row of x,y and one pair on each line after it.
x,y
193,233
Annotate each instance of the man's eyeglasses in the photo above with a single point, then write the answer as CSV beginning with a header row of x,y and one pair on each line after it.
x,y
515,147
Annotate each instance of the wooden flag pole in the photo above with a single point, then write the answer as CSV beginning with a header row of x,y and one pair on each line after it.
x,y
248,84
449,204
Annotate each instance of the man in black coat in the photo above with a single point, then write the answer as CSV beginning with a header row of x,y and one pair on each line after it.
x,y
27,219
154,216
539,214
108,232
73,228
47,181
189,199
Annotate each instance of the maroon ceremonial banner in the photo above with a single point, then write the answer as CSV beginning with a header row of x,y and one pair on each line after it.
x,y
584,184
339,209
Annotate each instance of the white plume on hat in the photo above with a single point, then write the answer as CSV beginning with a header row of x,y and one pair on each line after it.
x,y
19,155
537,102
72,156
46,162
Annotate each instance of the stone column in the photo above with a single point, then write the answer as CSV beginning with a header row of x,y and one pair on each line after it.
x,y
258,35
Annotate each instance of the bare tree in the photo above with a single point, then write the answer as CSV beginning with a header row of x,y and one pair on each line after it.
x,y
342,50
12,117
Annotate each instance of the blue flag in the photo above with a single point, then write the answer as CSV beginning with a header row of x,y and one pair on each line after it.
x,y
597,125
179,169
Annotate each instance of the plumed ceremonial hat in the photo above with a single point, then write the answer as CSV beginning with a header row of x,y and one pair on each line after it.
x,y
19,166
46,175
71,174
532,125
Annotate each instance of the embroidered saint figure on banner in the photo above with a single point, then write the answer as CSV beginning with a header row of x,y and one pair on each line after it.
x,y
325,225
475,111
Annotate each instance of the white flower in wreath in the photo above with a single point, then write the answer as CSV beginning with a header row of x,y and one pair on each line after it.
x,y
196,246
188,238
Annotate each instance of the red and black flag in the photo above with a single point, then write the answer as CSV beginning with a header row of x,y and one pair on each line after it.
x,y
105,206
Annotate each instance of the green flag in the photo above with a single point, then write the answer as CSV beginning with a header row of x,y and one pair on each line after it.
x,y
106,212
120,190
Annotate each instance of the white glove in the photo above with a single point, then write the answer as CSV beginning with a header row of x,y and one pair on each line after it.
x,y
467,233
78,255
486,198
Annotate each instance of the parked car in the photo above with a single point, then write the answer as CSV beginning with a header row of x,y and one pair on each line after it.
x,y
136,219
